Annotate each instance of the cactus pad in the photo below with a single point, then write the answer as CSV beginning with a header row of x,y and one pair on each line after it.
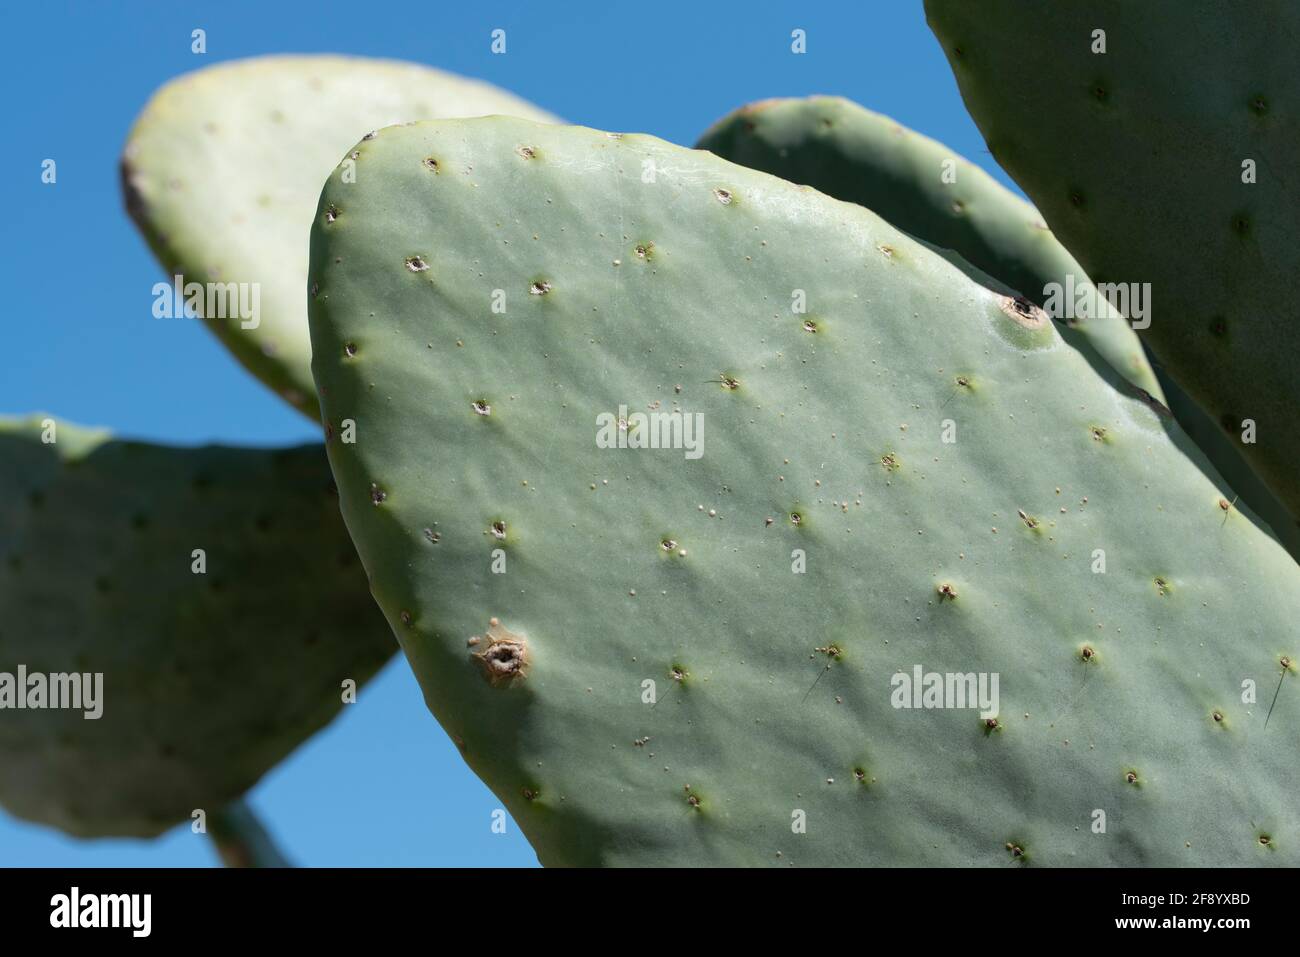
x,y
214,667
1157,138
926,190
222,170
654,657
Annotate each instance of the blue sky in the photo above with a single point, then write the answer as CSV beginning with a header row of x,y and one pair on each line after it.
x,y
383,785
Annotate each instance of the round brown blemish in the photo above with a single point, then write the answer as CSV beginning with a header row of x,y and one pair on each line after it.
x,y
947,592
1023,312
1217,716
1131,777
1265,840
505,659
796,519
1087,653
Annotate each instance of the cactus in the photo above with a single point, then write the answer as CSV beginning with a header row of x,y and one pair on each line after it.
x,y
925,189
241,840
658,657
214,589
222,169
1154,137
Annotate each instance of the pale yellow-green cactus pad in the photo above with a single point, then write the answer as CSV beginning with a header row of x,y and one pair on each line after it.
x,y
223,167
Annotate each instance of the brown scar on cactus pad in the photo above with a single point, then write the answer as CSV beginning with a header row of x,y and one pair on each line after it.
x,y
506,659
1023,312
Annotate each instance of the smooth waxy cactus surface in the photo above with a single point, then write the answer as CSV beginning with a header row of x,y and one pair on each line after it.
x,y
214,589
223,167
927,190
1156,138
659,657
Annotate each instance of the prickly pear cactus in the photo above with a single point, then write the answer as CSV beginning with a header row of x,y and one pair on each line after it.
x,y
1239,483
691,639
928,191
223,167
1155,137
213,589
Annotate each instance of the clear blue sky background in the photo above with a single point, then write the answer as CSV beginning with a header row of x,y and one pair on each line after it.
x,y
383,785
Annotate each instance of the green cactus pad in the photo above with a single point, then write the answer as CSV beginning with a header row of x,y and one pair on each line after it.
x,y
653,679
926,190
859,156
211,674
223,167
1134,127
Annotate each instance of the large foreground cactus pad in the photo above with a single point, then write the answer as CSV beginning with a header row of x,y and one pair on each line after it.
x,y
658,656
